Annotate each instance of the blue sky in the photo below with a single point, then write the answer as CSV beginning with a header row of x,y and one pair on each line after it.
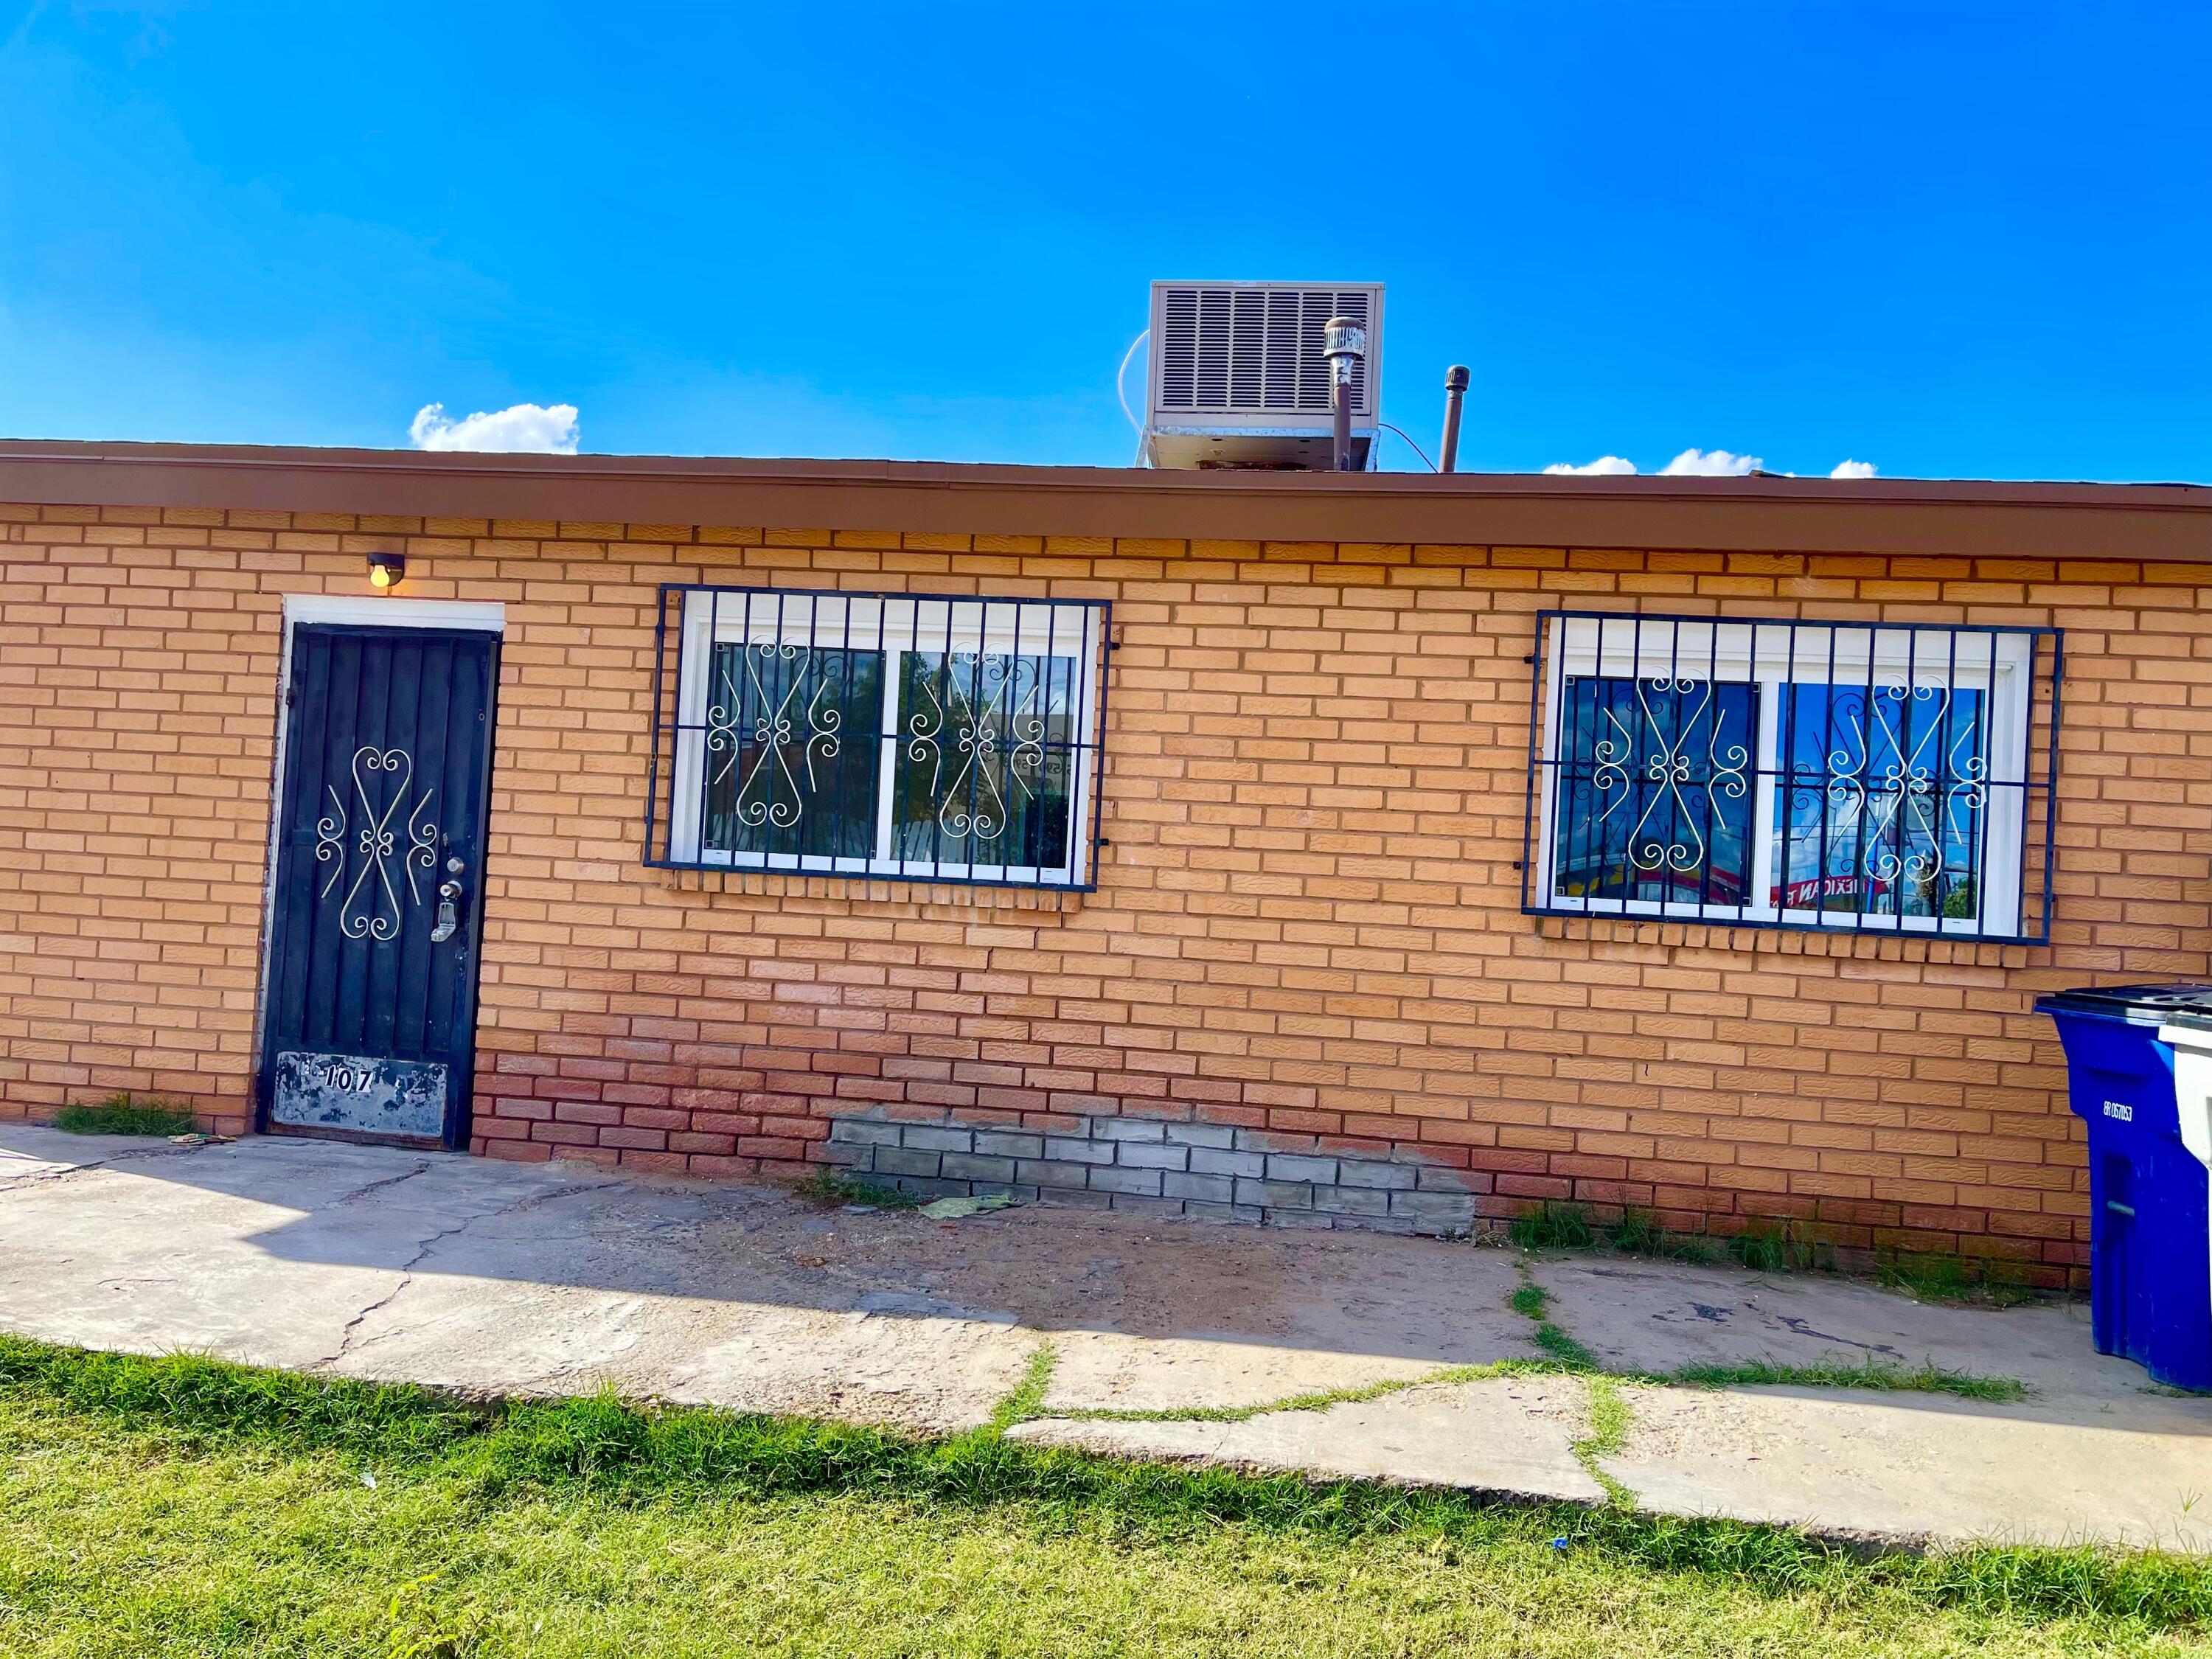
x,y
1956,239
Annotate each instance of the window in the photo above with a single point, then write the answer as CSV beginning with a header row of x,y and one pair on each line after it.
x,y
879,735
1794,774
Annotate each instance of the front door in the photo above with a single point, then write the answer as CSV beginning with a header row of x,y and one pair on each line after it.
x,y
368,1016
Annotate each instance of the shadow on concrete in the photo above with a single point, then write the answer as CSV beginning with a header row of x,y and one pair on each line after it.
x,y
230,1246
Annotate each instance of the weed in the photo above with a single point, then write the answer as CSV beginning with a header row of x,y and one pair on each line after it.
x,y
1640,1234
120,1115
1530,1299
1774,1247
1027,1400
1609,1421
1944,1278
1836,1374
1570,1354
831,1188
1553,1226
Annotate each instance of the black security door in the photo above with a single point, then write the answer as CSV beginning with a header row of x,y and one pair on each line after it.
x,y
369,1013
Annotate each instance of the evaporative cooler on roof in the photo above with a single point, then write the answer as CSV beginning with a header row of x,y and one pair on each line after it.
x,y
1238,379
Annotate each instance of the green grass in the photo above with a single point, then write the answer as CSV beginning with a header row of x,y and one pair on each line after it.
x,y
1837,1374
120,1115
1553,1226
1946,1279
1640,1234
831,1187
1316,1400
164,1508
1530,1299
1610,1420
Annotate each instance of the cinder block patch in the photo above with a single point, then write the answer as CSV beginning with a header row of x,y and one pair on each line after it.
x,y
1199,1172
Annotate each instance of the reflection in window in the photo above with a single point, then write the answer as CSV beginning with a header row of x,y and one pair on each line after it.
x,y
1655,799
1886,791
984,765
791,750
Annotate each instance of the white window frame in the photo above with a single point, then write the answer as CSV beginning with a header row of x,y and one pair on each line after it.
x,y
896,624
1999,663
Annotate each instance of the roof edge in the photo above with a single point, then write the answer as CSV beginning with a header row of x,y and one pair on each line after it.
x,y
1759,513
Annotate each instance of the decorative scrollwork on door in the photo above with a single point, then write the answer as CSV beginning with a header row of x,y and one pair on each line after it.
x,y
370,907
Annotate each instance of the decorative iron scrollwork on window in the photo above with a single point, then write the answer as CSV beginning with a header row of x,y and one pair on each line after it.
x,y
1778,774
376,842
948,740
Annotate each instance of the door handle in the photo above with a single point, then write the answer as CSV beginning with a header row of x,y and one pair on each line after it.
x,y
449,918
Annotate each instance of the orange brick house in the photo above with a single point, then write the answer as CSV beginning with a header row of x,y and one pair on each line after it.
x,y
1377,850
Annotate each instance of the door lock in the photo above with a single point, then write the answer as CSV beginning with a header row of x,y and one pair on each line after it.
x,y
449,918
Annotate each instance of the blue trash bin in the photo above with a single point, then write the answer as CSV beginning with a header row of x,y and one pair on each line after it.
x,y
2139,1070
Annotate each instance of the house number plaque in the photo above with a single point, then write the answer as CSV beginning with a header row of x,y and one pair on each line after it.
x,y
360,1094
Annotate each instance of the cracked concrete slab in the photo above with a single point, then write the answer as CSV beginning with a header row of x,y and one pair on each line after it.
x,y
1891,1465
1509,1436
1642,1316
379,1263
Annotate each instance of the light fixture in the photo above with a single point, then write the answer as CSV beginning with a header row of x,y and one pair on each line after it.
x,y
387,569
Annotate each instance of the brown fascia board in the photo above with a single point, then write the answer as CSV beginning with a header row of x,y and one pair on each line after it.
x,y
1758,514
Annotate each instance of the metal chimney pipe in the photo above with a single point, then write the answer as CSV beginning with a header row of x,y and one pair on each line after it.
x,y
1344,343
1455,388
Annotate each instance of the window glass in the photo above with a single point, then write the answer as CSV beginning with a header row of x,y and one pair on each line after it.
x,y
791,741
1655,795
1885,791
982,774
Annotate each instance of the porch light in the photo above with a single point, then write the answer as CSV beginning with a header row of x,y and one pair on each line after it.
x,y
387,569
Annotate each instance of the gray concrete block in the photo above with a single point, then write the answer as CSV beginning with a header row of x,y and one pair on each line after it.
x,y
1373,1173
1043,1172
1008,1143
1434,1180
1213,1189
1068,1150
1309,1219
1114,1180
1201,1134
849,1155
967,1166
1205,1160
933,1138
1070,1198
906,1161
865,1131
1282,1166
1227,1215
1347,1201
1129,1128
924,1187
1452,1211
1269,1140
1134,1204
1137,1155
1275,1194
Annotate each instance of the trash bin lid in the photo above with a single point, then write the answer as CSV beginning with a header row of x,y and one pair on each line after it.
x,y
2150,1004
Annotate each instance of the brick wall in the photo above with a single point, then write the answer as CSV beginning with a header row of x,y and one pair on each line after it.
x,y
1306,934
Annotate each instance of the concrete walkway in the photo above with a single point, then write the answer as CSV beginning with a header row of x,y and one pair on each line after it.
x,y
375,1263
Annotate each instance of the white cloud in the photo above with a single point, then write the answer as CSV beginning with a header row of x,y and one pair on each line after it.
x,y
1605,466
522,429
1853,470
1709,463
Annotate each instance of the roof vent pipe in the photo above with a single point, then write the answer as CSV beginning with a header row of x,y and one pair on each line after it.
x,y
1344,343
1455,388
